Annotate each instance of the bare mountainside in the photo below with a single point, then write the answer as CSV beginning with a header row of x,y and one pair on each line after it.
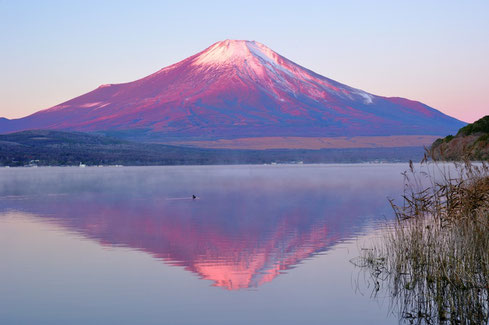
x,y
237,89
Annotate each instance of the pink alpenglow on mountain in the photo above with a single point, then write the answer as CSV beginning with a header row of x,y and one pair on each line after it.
x,y
237,89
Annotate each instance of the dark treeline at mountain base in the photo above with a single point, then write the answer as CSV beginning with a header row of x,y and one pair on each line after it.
x,y
57,148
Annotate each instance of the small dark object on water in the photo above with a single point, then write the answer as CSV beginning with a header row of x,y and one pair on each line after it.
x,y
194,197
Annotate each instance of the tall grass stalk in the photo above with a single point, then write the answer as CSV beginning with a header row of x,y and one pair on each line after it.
x,y
434,261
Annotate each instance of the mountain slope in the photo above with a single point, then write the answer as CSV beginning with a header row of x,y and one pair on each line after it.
x,y
237,89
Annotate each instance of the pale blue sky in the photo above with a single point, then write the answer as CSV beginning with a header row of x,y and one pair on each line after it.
x,y
433,51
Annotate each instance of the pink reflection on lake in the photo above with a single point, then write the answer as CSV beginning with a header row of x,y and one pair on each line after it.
x,y
248,225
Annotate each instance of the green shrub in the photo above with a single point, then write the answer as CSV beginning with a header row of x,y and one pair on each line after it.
x,y
479,126
448,138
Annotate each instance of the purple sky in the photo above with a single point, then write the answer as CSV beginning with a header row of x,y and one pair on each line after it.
x,y
435,52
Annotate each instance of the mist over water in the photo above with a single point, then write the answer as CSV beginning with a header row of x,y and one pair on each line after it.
x,y
253,234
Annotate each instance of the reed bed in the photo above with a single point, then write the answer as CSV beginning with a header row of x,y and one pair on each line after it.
x,y
433,262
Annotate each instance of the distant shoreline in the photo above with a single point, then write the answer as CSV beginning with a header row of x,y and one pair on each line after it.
x,y
217,165
58,148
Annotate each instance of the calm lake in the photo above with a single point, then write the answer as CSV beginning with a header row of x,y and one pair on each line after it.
x,y
129,245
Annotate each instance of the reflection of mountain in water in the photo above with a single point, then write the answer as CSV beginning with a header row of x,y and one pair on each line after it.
x,y
240,233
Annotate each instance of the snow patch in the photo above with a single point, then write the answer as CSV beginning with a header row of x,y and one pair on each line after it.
x,y
228,51
263,52
367,98
87,105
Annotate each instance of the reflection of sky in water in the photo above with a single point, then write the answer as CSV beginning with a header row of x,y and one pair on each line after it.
x,y
248,225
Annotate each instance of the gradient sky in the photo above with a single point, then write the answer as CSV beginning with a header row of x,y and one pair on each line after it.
x,y
436,52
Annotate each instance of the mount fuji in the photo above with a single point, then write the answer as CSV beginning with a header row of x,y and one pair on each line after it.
x,y
239,91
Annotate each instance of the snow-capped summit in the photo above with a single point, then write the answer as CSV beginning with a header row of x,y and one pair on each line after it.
x,y
257,62
233,89
237,52
225,52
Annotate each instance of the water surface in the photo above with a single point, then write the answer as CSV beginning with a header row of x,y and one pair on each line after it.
x,y
259,245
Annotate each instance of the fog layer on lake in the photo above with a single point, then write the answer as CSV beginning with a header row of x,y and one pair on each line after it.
x,y
257,244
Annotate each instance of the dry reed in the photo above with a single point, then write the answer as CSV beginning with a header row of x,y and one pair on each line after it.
x,y
434,261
